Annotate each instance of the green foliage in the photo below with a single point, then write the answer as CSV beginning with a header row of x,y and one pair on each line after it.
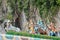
x,y
9,16
58,2
0,2
47,8
32,35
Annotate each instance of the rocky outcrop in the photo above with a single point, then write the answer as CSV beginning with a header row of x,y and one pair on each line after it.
x,y
57,19
3,9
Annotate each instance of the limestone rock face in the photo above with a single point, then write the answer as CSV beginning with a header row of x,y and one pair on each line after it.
x,y
1,13
57,19
3,9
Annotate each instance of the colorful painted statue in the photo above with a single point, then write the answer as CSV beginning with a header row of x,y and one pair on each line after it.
x,y
52,29
31,27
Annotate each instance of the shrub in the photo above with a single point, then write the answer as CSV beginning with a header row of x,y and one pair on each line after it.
x,y
32,35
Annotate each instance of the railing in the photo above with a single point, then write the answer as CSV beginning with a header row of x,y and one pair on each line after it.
x,y
14,37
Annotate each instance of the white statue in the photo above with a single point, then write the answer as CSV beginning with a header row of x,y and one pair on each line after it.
x,y
8,26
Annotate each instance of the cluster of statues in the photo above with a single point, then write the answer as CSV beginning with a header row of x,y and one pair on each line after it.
x,y
38,28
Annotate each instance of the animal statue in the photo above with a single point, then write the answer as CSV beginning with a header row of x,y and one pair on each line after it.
x,y
42,32
31,26
52,29
8,26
